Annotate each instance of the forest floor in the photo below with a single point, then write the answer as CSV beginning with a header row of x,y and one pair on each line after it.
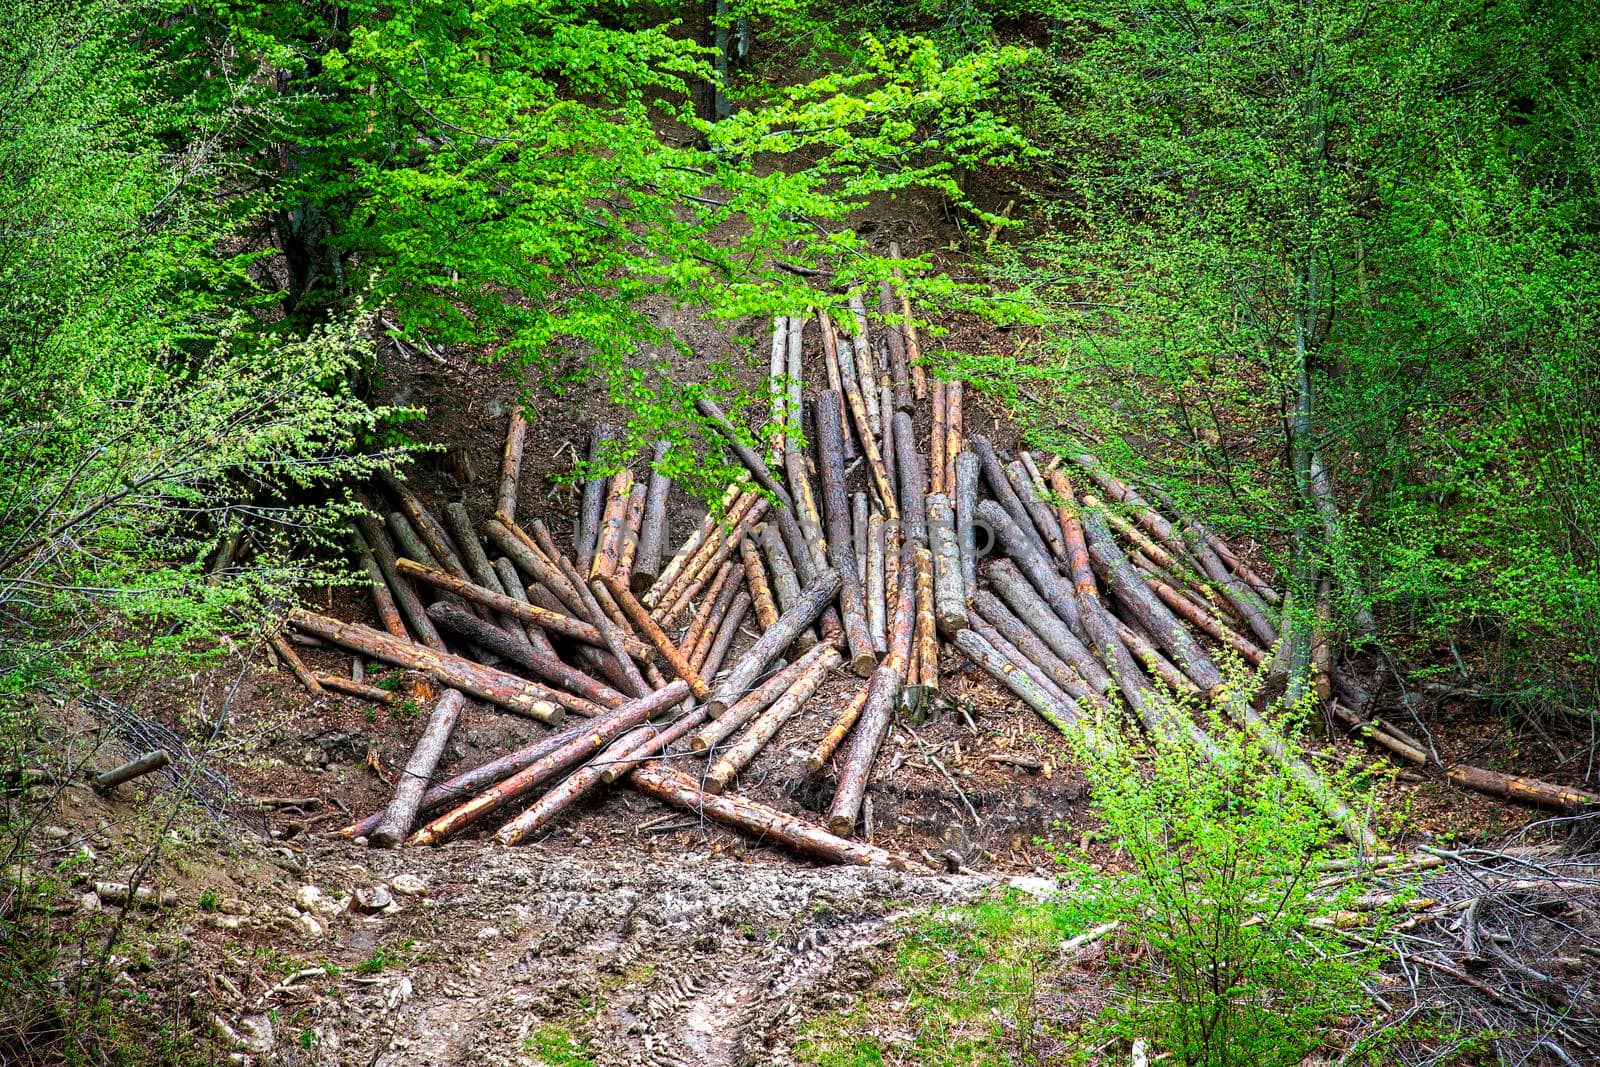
x,y
630,934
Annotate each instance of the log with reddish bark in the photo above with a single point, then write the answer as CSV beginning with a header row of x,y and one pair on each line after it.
x,y
949,591
669,590
877,613
785,583
856,403
994,473
727,633
1136,505
690,548
1014,656
1204,621
759,698
482,571
877,712
631,523
511,464
830,359
351,687
587,532
709,607
840,728
954,429
841,554
936,441
813,599
545,619
653,526
765,726
1154,660
398,818
383,597
986,657
1137,599
766,823
1019,596
784,512
1032,497
405,594
486,635
1263,588
1238,594
497,687
601,732
755,576
296,665
924,665
614,640
964,496
613,517
676,661
725,546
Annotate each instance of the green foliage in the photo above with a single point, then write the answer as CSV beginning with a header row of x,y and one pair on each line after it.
x,y
557,1047
1236,961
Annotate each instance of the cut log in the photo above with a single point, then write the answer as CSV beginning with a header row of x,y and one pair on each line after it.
x,y
768,824
758,699
351,687
703,628
755,576
859,511
676,661
777,392
837,732
601,733
954,428
994,473
589,691
949,591
987,658
725,547
727,633
1014,656
908,333
587,533
405,594
1038,511
1136,505
401,813
1145,650
511,464
1019,595
532,561
764,727
925,661
805,498
551,621
427,527
830,454
1207,623
936,439
613,517
630,534
687,550
497,687
1033,648
784,512
785,583
151,761
1240,595
696,567
965,499
771,644
864,429
296,665
613,639
1032,562
866,362
830,358
877,612
481,571
888,308
383,599
653,527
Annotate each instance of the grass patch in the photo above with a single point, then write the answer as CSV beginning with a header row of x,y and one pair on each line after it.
x,y
559,1047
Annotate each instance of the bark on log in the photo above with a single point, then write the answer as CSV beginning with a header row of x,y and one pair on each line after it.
x,y
535,563
1026,555
401,814
784,514
755,576
670,590
687,550
877,611
758,699
1137,506
864,430
594,501
296,665
986,657
351,687
134,768
1019,595
427,527
405,594
1205,622
936,439
482,571
601,733
630,533
542,812
653,527
615,641
968,471
954,428
805,498
676,661
837,732
889,457
1014,656
497,687
949,591
771,644
383,599
625,761
727,634
511,464
830,357
1241,596
765,823
830,453
925,662
888,308
711,608
877,712
1154,661
913,482
764,727
725,547
1044,521
1136,598
908,333
608,549
994,473
581,691
551,621
785,583
858,533
777,392
1034,649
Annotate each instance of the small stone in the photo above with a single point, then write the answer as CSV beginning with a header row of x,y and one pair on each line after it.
x,y
489,933
371,899
307,897
256,1032
56,833
310,925
408,885
89,902
225,922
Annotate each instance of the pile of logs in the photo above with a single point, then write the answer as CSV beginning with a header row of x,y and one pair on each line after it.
x,y
868,553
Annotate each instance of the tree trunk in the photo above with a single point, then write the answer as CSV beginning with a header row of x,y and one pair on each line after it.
x,y
401,813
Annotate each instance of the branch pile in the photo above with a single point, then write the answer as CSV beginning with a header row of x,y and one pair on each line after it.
x,y
894,537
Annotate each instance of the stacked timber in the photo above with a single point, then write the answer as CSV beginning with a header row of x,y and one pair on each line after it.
x,y
860,555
